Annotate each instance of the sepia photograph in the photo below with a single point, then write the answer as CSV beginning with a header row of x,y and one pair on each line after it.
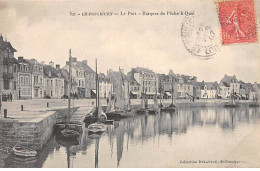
x,y
129,84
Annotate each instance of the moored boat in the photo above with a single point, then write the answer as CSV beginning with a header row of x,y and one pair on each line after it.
x,y
70,134
23,151
97,127
60,126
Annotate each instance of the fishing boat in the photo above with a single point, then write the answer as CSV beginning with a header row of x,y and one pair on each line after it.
x,y
99,114
232,102
171,107
70,134
155,108
92,117
67,127
120,107
60,126
97,127
254,103
144,105
23,151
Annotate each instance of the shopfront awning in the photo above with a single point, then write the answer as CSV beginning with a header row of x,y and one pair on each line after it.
x,y
134,93
168,93
94,91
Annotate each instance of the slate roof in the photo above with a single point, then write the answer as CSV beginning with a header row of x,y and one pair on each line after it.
x,y
84,67
226,80
140,70
54,72
4,45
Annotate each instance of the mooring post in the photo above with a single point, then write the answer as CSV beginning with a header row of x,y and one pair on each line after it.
x,y
21,107
47,104
5,113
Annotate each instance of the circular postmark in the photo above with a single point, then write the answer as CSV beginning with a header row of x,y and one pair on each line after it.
x,y
198,38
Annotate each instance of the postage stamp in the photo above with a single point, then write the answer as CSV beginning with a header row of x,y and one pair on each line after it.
x,y
198,38
237,20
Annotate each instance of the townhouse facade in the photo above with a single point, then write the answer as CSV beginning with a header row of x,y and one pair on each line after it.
x,y
209,90
53,81
184,86
83,77
24,79
37,78
8,69
147,79
105,86
227,85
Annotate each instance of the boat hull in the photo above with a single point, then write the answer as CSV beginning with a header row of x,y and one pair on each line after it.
x,y
96,128
141,111
24,152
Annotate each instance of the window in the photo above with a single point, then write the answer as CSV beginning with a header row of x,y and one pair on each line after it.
x,y
6,85
14,68
51,82
51,92
26,80
47,82
14,85
21,80
79,82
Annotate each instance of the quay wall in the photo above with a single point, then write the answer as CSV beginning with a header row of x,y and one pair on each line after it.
x,y
33,134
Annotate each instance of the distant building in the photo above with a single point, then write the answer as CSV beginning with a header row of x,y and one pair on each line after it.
x,y
254,91
105,86
227,85
114,77
24,79
244,90
146,78
134,87
210,90
37,78
185,86
166,84
53,81
83,76
8,69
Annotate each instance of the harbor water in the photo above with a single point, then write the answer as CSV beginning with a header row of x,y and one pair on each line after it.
x,y
178,139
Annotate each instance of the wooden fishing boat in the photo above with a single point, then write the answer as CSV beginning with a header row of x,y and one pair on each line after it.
x,y
155,109
23,151
232,103
60,126
119,107
70,134
97,127
254,103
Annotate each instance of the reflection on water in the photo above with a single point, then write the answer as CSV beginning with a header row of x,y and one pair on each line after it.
x,y
146,141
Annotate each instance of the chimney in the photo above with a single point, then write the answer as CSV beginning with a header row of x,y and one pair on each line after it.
x,y
42,62
51,64
85,62
33,60
57,66
1,37
74,59
20,58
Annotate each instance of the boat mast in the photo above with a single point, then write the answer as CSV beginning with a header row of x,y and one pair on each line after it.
x,y
160,91
69,96
96,88
172,89
128,105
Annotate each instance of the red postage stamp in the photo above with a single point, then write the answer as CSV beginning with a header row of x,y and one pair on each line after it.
x,y
238,23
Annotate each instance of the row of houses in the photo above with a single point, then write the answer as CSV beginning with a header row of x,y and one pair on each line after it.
x,y
28,78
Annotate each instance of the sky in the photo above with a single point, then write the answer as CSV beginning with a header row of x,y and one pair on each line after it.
x,y
45,31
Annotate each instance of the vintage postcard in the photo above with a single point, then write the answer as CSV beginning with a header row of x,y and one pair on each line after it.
x,y
129,84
